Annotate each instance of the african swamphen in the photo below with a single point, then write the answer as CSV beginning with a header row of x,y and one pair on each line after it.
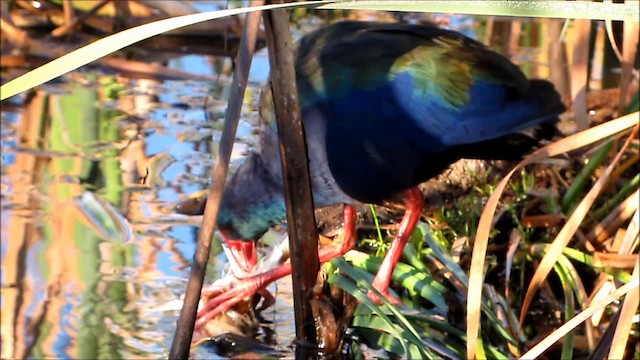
x,y
385,107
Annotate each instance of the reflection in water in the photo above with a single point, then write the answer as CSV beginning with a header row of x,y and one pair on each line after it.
x,y
82,278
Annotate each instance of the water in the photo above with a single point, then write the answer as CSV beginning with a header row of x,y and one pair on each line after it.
x,y
83,279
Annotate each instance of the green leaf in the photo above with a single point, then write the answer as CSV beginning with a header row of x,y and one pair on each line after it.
x,y
408,332
416,281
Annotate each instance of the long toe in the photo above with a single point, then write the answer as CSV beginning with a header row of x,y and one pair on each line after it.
x,y
376,300
218,306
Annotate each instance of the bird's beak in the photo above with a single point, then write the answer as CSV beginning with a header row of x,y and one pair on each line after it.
x,y
192,206
244,252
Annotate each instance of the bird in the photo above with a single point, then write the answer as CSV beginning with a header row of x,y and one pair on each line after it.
x,y
385,107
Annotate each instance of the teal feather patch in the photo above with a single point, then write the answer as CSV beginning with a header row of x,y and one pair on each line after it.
x,y
436,72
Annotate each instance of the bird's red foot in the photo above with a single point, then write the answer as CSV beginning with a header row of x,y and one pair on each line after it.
x,y
225,299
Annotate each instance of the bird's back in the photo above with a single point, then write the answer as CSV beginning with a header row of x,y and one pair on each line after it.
x,y
397,103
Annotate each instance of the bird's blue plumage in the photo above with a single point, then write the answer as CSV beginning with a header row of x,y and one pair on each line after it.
x,y
488,113
386,107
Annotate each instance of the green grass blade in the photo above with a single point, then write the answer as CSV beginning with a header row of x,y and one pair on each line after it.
x,y
569,309
412,279
619,196
376,221
572,196
409,333
413,258
354,289
455,269
548,9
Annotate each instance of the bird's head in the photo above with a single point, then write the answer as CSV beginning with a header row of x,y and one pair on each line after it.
x,y
252,203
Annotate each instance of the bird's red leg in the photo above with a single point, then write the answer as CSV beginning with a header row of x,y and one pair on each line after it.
x,y
249,286
414,204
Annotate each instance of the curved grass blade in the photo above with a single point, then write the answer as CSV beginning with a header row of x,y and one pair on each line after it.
x,y
413,258
376,338
580,293
354,290
547,9
115,42
374,322
461,276
451,265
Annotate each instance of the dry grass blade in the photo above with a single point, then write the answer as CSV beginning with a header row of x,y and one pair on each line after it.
x,y
618,215
568,231
476,271
514,241
557,334
546,9
612,39
624,167
602,287
631,234
623,329
615,261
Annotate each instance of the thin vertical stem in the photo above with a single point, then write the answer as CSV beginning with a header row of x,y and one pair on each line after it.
x,y
303,236
184,329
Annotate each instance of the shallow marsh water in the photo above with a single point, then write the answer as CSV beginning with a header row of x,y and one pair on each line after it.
x,y
89,255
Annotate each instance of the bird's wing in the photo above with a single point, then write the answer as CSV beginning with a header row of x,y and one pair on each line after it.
x,y
452,87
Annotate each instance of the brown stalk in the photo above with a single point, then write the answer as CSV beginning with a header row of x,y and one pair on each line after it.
x,y
303,236
558,67
184,329
580,72
629,50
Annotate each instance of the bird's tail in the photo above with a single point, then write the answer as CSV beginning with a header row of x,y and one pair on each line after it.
x,y
545,95
526,136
